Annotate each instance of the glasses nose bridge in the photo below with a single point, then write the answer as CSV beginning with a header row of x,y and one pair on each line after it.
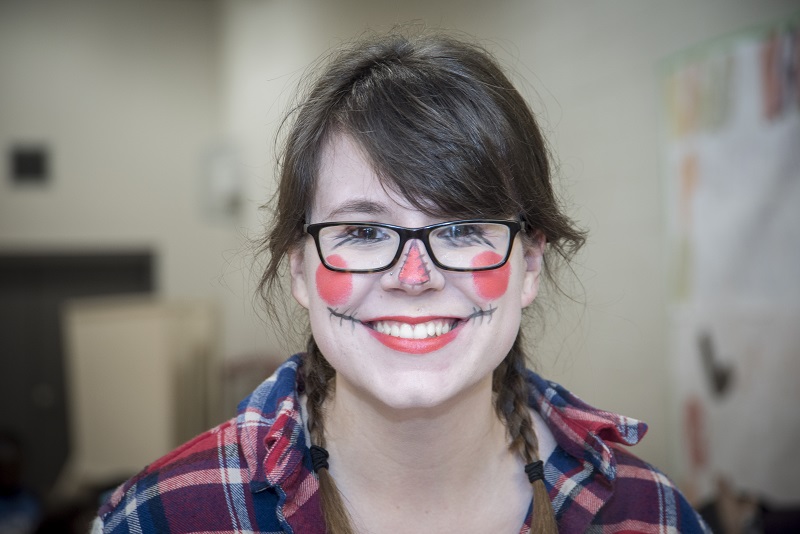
x,y
421,234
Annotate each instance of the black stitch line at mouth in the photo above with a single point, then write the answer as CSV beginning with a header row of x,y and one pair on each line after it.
x,y
480,313
345,317
476,313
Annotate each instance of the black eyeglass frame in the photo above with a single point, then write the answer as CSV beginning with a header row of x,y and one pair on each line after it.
x,y
422,234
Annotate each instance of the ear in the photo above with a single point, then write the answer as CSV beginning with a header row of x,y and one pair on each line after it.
x,y
534,259
298,274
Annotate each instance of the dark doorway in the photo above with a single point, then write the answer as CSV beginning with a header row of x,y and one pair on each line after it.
x,y
33,288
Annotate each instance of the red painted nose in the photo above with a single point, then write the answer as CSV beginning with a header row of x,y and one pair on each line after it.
x,y
414,271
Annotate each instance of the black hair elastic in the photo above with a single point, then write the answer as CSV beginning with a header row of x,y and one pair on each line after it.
x,y
319,458
535,471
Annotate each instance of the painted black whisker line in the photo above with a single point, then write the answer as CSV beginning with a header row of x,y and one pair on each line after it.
x,y
487,242
478,312
344,317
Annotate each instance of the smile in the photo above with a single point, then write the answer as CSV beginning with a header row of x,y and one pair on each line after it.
x,y
421,330
414,335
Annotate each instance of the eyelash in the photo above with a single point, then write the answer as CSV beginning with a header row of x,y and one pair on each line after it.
x,y
474,237
348,237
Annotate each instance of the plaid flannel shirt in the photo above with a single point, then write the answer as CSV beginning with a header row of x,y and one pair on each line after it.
x,y
253,473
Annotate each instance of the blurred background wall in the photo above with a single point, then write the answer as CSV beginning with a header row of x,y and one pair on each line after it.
x,y
159,120
591,72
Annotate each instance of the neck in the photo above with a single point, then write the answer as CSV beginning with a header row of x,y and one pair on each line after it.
x,y
430,467
414,448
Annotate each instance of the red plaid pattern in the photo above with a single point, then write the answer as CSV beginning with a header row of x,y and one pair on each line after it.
x,y
253,473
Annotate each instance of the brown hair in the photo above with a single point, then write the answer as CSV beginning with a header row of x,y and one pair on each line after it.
x,y
444,128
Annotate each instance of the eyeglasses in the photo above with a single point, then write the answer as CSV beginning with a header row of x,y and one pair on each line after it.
x,y
358,247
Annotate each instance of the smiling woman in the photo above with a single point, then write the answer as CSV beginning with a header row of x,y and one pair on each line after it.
x,y
417,216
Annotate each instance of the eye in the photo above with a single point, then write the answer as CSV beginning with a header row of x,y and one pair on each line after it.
x,y
360,235
365,233
463,235
463,231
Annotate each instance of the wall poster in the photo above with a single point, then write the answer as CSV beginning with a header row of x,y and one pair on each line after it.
x,y
731,155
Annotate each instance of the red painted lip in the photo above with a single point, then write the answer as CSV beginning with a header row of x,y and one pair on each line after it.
x,y
415,346
410,320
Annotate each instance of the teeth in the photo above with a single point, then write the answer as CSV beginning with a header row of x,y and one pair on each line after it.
x,y
406,331
417,331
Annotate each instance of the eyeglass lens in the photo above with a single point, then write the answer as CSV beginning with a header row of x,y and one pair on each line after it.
x,y
456,246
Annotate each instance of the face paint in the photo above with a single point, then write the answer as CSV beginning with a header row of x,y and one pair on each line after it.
x,y
415,335
414,271
334,287
491,284
416,346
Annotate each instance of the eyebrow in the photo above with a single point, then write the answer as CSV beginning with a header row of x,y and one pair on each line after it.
x,y
359,206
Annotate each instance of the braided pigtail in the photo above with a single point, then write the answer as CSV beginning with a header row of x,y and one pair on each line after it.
x,y
511,404
317,376
508,383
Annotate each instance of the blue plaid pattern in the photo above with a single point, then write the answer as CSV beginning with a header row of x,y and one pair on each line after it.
x,y
253,473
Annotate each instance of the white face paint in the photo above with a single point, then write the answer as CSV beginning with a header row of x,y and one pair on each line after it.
x,y
414,336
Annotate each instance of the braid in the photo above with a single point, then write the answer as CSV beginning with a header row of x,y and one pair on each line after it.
x,y
511,405
317,375
508,383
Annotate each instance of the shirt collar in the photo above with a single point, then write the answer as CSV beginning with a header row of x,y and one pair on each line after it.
x,y
271,429
580,429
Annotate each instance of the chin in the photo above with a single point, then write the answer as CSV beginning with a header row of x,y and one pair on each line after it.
x,y
415,393
390,380
412,400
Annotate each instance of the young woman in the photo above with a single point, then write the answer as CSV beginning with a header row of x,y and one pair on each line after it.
x,y
416,215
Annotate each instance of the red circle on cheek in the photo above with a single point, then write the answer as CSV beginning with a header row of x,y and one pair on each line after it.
x,y
334,288
490,284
